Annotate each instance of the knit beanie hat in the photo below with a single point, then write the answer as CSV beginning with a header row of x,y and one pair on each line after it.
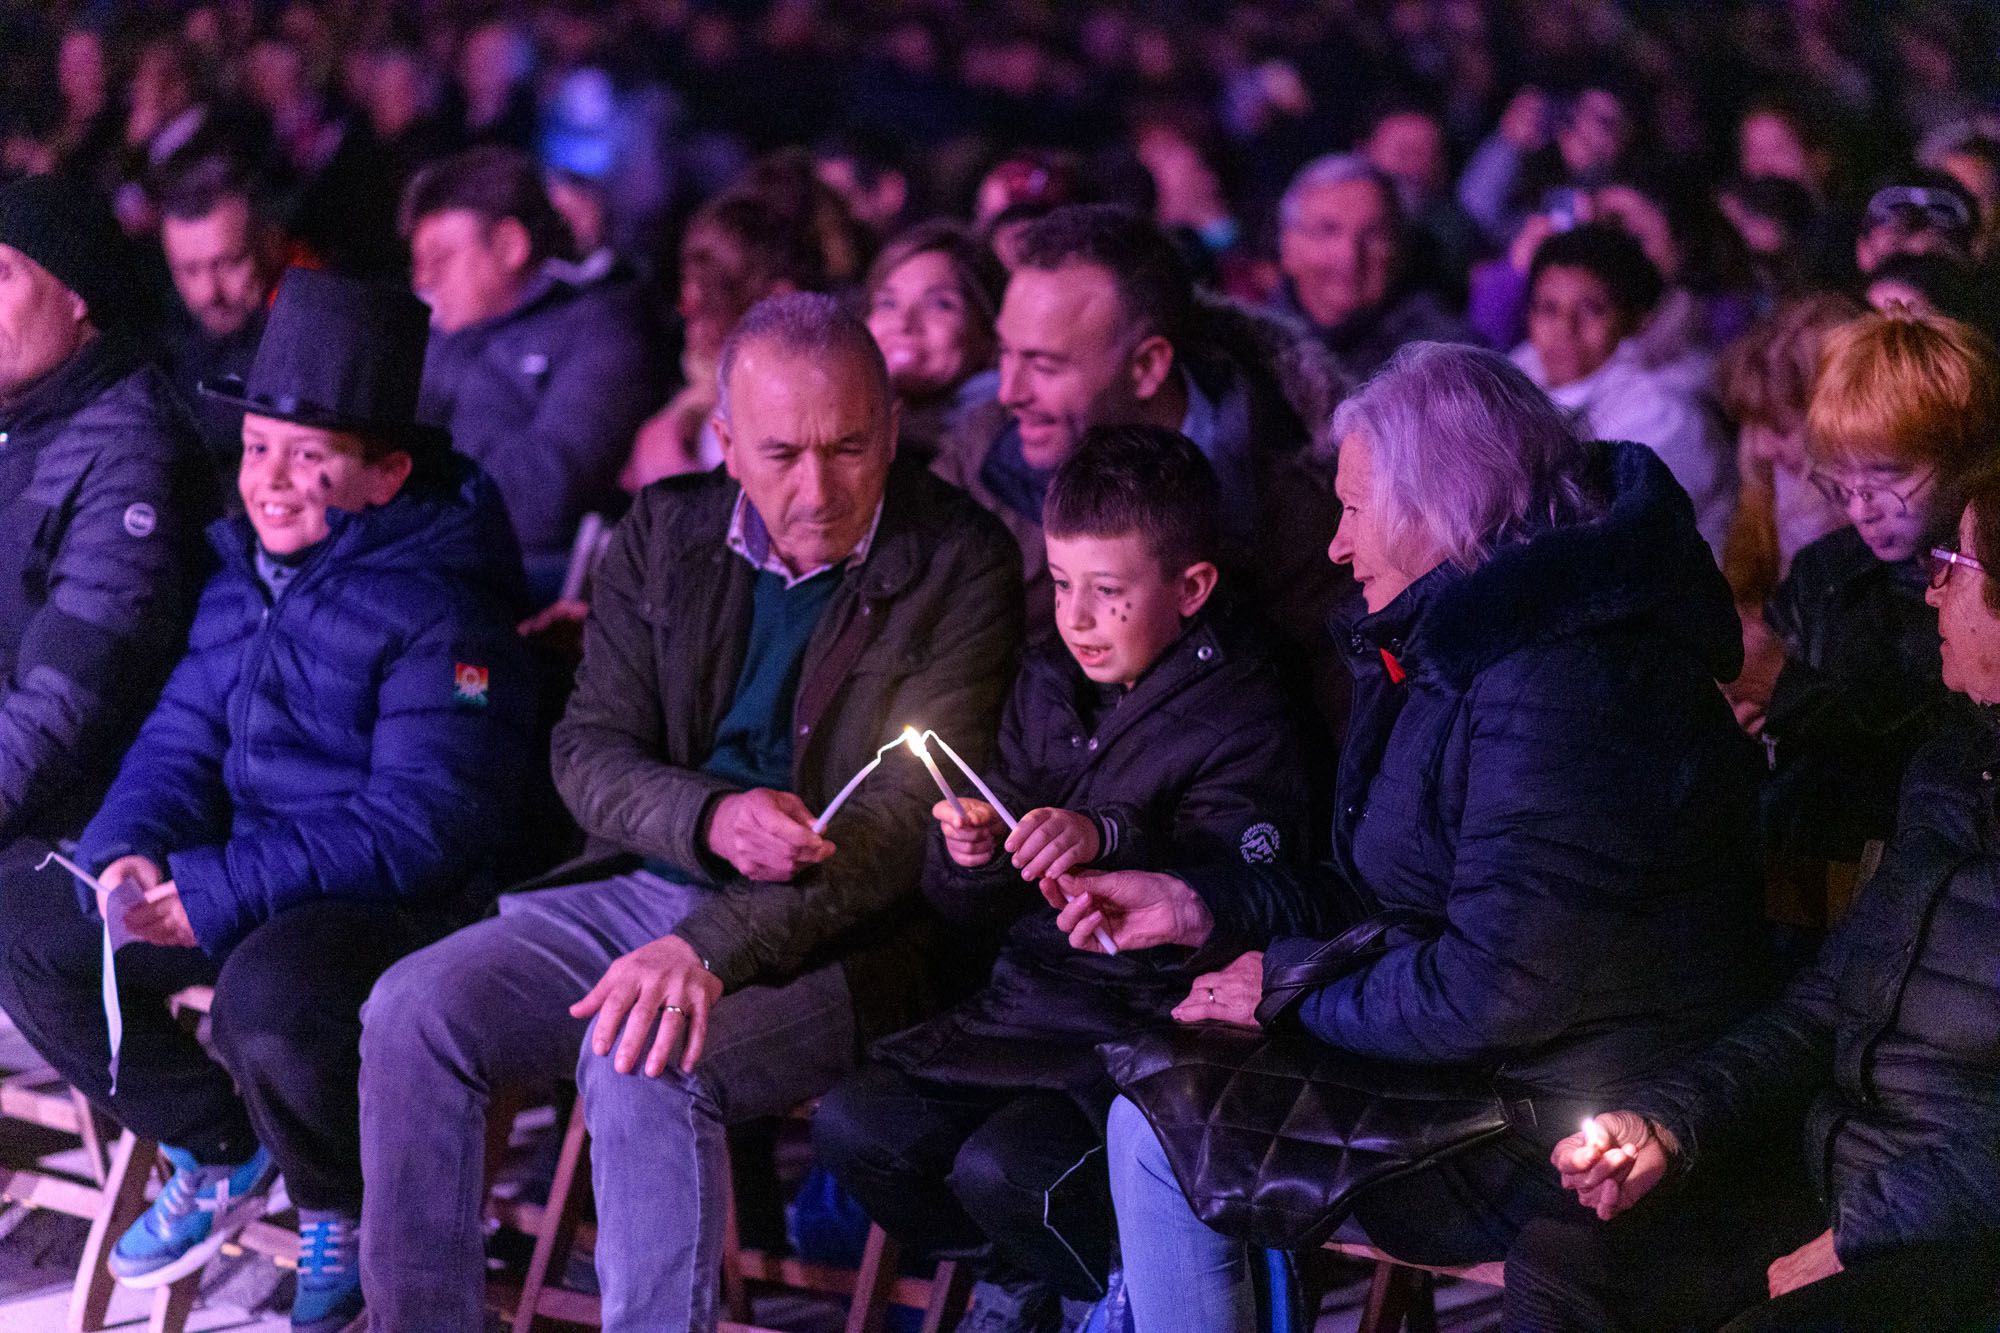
x,y
62,226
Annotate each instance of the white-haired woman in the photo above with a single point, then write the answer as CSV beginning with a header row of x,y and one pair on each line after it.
x,y
1539,769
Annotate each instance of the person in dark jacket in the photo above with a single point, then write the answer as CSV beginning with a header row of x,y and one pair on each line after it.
x,y
103,495
1100,325
542,371
755,637
1154,735
1342,246
320,790
1540,772
1905,408
1883,1053
225,257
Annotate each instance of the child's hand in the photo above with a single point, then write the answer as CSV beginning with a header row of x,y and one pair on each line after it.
x,y
1049,843
972,843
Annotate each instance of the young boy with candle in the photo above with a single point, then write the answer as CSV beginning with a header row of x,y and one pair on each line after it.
x,y
324,786
1153,735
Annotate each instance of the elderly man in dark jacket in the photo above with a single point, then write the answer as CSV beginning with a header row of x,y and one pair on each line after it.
x,y
103,495
754,639
1101,326
320,790
542,370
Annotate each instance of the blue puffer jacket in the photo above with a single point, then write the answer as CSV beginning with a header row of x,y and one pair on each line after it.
x,y
1556,794
364,736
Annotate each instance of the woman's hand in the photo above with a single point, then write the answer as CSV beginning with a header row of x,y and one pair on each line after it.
x,y
1614,1161
1229,996
1138,909
1804,1266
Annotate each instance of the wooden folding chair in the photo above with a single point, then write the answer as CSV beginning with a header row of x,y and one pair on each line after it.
x,y
870,1290
134,1164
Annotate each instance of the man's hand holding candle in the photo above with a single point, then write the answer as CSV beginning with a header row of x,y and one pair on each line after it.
x,y
765,834
1614,1161
972,840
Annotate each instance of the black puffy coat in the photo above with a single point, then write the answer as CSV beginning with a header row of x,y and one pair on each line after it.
x,y
1860,693
1197,764
1890,1043
104,491
1557,790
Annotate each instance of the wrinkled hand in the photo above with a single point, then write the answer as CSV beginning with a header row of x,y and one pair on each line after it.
x,y
661,981
972,841
1804,1266
765,834
162,919
1614,1162
1229,996
1049,843
1137,908
139,868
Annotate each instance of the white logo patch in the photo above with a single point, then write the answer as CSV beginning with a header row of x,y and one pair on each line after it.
x,y
535,363
1260,843
140,520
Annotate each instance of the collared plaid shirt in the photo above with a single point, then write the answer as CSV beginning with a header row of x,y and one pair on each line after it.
x,y
749,538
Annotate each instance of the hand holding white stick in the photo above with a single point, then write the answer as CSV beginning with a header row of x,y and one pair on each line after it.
x,y
1104,941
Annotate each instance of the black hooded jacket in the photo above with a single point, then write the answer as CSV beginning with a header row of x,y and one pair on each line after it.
x,y
1556,791
1890,1043
1197,764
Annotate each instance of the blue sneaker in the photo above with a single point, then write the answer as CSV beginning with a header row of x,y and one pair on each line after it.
x,y
329,1294
200,1209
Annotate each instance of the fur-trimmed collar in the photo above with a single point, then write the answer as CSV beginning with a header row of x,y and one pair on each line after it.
x,y
1643,560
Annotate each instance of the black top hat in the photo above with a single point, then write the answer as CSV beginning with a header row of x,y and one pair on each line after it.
x,y
339,354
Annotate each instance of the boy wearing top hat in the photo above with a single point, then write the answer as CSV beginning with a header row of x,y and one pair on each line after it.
x,y
319,792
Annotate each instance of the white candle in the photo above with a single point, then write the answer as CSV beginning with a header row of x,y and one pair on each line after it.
x,y
114,1013
986,793
916,744
833,806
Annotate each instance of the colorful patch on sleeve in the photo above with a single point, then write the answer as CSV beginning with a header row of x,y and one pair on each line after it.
x,y
469,684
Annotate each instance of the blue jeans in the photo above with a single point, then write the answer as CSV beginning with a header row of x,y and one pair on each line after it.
x,y
1179,1275
488,1008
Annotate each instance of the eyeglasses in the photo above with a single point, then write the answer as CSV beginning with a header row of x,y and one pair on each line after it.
x,y
1842,495
1942,560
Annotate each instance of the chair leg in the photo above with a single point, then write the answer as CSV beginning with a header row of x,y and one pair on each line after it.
x,y
557,1232
874,1283
124,1199
172,1304
1388,1299
1422,1315
93,1139
735,1290
951,1287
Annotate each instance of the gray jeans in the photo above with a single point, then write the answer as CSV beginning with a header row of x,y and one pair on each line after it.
x,y
488,1008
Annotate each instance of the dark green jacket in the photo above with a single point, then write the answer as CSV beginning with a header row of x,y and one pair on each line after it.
x,y
924,631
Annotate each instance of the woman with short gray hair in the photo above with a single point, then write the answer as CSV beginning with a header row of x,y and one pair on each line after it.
x,y
1540,781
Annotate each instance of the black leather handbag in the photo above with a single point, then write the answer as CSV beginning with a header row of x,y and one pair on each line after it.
x,y
1273,1134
